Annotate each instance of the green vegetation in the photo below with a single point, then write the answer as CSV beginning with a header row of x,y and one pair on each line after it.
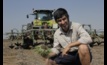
x,y
42,50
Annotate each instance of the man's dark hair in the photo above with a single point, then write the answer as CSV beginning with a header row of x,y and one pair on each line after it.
x,y
59,13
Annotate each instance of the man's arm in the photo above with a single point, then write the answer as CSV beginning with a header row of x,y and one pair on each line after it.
x,y
85,38
67,48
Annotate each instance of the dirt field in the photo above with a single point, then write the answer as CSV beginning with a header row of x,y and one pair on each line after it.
x,y
30,57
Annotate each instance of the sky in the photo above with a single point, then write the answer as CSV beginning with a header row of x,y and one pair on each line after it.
x,y
81,11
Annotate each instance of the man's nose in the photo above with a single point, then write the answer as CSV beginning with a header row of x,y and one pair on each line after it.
x,y
62,22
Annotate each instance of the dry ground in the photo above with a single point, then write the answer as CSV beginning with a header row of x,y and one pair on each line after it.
x,y
30,57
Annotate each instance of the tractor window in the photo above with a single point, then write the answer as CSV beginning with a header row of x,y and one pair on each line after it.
x,y
44,16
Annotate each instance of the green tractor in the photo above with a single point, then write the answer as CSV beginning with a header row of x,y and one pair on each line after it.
x,y
40,30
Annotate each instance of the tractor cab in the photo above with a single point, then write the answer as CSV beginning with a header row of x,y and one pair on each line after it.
x,y
42,17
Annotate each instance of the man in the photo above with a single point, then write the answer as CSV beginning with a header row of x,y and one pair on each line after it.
x,y
71,42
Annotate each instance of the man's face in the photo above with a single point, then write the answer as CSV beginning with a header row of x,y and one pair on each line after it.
x,y
63,22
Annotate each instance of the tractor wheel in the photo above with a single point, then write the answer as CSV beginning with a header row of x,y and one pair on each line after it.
x,y
27,43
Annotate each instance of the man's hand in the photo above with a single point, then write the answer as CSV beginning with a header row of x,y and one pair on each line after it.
x,y
65,50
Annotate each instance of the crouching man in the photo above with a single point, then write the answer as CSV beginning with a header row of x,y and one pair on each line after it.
x,y
71,42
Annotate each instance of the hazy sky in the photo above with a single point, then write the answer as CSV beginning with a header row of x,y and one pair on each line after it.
x,y
82,11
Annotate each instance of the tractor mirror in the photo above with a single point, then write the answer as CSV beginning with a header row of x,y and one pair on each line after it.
x,y
27,16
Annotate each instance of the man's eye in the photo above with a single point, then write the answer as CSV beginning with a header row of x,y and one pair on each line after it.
x,y
64,18
59,20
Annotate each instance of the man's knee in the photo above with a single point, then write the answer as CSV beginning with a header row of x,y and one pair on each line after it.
x,y
83,49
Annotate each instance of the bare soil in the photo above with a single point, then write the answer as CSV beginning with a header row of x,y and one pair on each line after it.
x,y
30,57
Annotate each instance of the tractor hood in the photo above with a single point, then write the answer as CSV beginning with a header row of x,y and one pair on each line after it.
x,y
39,22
